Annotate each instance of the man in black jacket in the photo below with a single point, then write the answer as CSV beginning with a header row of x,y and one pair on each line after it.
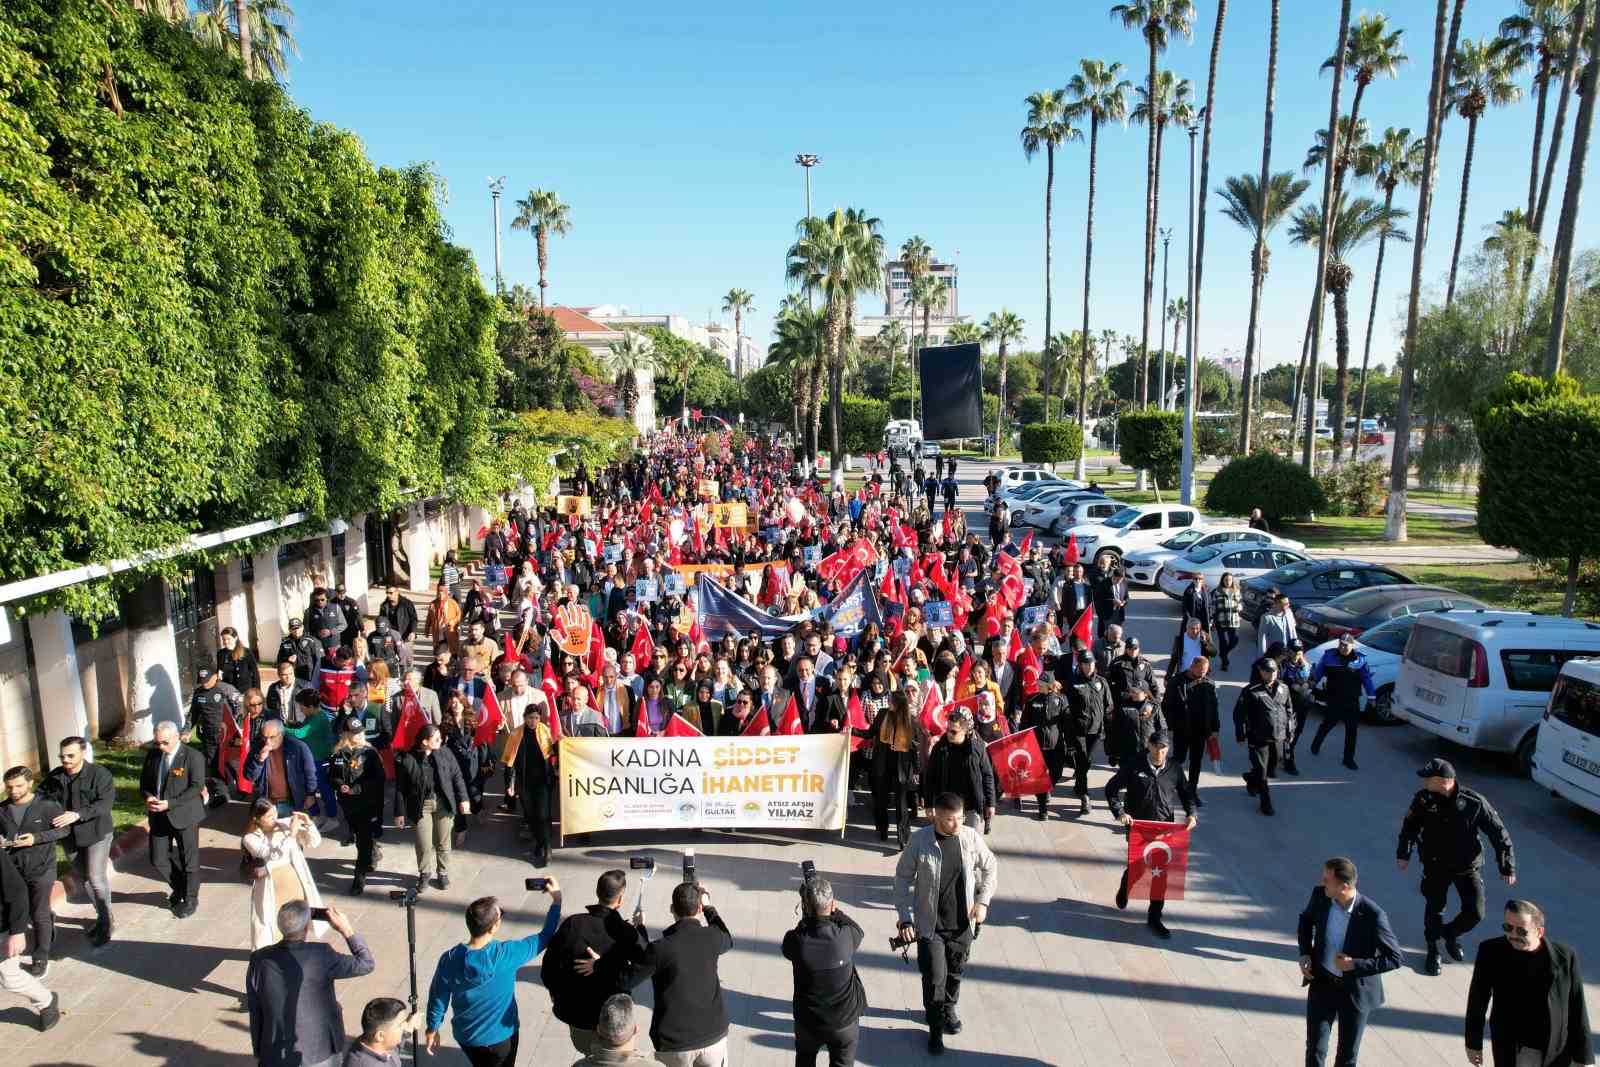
x,y
1261,716
959,763
14,978
350,610
1190,708
1049,716
1538,1014
1130,671
171,782
828,995
609,950
430,783
86,792
212,700
325,620
1155,789
31,833
1444,822
301,649
400,613
690,1024
1346,945
281,693
1091,702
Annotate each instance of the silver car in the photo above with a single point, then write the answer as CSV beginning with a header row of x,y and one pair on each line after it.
x,y
1143,566
1212,561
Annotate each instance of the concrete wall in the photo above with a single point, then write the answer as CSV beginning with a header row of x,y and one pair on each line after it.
x,y
18,736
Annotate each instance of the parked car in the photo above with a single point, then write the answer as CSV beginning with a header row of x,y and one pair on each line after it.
x,y
1042,509
1144,566
1017,476
1483,678
1134,528
1384,646
1316,581
930,449
1083,509
1566,759
1211,562
1363,609
1013,495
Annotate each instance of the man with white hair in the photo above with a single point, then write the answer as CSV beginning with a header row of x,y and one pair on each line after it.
x,y
618,1037
295,1018
172,782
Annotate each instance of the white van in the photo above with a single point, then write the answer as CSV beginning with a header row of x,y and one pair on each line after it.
x,y
1566,760
1483,678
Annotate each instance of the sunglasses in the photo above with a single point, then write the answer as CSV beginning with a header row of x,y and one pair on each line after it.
x,y
1520,931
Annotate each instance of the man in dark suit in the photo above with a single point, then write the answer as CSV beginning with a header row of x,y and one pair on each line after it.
x,y
811,692
295,1018
1346,943
86,792
28,821
171,782
1538,1013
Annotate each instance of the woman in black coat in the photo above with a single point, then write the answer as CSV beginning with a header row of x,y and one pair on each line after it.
x,y
959,764
236,664
897,741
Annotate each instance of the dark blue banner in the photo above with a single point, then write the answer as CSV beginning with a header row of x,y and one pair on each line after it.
x,y
853,608
722,611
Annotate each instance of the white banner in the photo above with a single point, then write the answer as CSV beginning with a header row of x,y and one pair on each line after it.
x,y
624,783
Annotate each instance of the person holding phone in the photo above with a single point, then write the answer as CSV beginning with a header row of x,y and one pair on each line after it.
x,y
594,956
295,1017
278,847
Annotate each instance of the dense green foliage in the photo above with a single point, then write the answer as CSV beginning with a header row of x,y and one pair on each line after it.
x,y
540,368
1281,488
711,387
1355,488
1051,442
1030,409
1152,440
861,423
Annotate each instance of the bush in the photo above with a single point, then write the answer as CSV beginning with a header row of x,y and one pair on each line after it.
x,y
1051,442
1281,488
1030,410
1152,440
900,404
861,423
1216,437
1447,456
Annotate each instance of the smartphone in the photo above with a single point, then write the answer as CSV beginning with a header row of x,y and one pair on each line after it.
x,y
319,915
642,863
536,885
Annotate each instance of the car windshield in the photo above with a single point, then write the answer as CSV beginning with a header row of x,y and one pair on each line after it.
x,y
1202,555
1391,636
1292,572
1188,537
1121,518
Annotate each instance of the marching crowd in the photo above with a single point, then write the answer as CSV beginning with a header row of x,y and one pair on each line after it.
x,y
877,614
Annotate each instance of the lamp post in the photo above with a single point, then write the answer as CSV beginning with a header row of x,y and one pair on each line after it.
x,y
1186,481
496,187
1161,349
807,160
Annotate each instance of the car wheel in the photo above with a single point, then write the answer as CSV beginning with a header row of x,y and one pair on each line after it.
x,y
1522,759
1383,706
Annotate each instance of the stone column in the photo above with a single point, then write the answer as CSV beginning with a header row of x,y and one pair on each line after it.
x,y
357,583
231,604
418,543
55,656
155,690
271,621
326,573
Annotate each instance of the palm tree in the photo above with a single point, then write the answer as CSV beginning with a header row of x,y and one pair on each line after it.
x,y
629,356
915,256
1569,69
258,29
1049,126
798,349
1536,36
1099,91
1157,22
1000,329
1482,76
1556,339
1351,138
838,255
1177,314
1393,160
964,333
1355,223
928,293
1205,179
1172,105
892,336
738,301
542,212
1371,50
1259,224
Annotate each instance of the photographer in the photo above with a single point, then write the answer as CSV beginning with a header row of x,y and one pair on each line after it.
x,y
295,1019
942,888
690,1024
828,996
610,950
479,979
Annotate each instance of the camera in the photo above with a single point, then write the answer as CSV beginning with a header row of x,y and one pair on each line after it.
x,y
404,897
642,863
900,942
688,867
536,885
808,870
319,915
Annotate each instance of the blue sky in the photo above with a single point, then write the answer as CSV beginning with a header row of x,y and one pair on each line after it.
x,y
671,131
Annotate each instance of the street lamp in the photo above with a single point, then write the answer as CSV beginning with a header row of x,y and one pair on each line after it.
x,y
1161,377
1186,482
807,160
496,187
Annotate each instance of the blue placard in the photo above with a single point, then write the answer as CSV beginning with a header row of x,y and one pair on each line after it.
x,y
937,613
902,568
879,569
772,534
812,554
613,553
645,590
1032,617
671,583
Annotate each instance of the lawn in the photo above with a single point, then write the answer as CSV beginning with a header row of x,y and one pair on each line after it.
x,y
1338,531
1505,585
1446,499
124,764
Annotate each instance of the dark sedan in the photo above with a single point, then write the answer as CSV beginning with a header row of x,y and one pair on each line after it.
x,y
1361,610
1316,581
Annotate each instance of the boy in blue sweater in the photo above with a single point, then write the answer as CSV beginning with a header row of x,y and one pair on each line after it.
x,y
479,978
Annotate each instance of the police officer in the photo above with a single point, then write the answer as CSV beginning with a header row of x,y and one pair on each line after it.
x,y
1090,700
1295,672
301,649
1130,671
211,699
1345,669
1260,721
1443,822
1049,716
1190,706
356,771
1155,789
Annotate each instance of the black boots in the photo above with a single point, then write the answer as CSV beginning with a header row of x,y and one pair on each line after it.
x,y
935,1032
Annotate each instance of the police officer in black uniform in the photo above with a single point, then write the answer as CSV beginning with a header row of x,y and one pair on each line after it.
x,y
1261,722
356,771
1443,822
212,698
1049,716
303,650
1155,790
1091,704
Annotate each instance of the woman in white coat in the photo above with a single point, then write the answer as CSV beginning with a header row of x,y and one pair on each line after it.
x,y
281,873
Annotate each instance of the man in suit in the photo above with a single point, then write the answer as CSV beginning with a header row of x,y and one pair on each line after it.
x,y
1538,1014
427,699
1346,943
771,696
171,782
295,1018
811,692
281,693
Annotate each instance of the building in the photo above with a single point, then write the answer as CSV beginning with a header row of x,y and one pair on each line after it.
x,y
938,327
598,335
897,290
741,358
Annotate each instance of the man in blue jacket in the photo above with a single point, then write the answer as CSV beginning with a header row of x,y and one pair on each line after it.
x,y
479,979
282,769
1345,670
1346,943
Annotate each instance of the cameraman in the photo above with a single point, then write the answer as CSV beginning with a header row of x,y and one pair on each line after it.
x,y
828,997
609,950
690,1024
942,888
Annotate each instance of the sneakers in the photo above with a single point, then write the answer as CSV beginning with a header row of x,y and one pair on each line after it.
x,y
1289,767
1430,966
100,934
1042,814
50,1014
359,885
1083,805
1159,928
952,1021
442,882
1453,948
1250,784
1316,745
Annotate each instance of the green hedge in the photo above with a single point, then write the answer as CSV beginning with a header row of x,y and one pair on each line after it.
x,y
861,423
1051,442
1281,488
1030,410
1152,440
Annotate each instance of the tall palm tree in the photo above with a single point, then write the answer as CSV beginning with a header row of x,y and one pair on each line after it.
x,y
1356,223
1482,76
1569,70
915,256
838,256
928,293
1172,105
1001,328
798,348
543,213
258,29
892,336
1258,254
1536,36
1099,91
1258,216
738,301
1157,21
1556,339
1395,159
1049,125
629,356
1351,137
1207,112
1177,314
1372,50
964,333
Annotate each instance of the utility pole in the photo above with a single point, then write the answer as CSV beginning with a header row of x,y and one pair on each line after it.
x,y
1186,480
496,187
1161,376
807,160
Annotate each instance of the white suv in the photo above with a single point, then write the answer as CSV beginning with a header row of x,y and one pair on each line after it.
x,y
1566,759
1132,528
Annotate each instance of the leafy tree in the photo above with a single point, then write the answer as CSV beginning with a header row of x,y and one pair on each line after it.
x,y
539,367
769,394
963,333
1280,487
1152,440
863,422
630,357
1051,442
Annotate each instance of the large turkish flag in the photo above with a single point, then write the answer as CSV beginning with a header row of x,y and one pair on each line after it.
x,y
1019,764
1158,860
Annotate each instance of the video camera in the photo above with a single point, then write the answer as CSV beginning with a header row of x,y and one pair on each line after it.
x,y
688,867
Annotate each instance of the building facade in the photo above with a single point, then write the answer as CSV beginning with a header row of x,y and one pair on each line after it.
x,y
897,289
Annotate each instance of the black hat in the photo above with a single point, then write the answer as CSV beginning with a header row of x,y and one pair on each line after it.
x,y
203,675
296,624
1131,642
1266,663
1437,768
352,724
1275,650
1085,656
1161,737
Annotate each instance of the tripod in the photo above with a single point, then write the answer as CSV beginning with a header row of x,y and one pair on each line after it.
x,y
407,899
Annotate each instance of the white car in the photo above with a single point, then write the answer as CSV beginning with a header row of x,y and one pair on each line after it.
x,y
1133,528
1383,646
930,449
1084,509
1144,566
1566,759
1015,495
1042,508
1013,476
1213,561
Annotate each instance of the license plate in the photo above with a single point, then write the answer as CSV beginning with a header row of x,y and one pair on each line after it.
x,y
1573,759
1429,696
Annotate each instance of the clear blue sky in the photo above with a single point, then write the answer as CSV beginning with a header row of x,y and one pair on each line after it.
x,y
671,131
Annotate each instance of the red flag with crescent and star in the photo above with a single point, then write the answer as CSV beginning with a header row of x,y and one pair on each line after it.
x,y
935,716
678,726
758,725
1083,626
1072,549
1158,859
1019,766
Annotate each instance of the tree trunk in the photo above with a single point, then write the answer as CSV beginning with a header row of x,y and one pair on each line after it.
x,y
1149,232
1080,469
1325,246
1298,397
541,240
1154,359
241,15
1341,374
1461,213
738,352
1372,317
1257,275
1049,184
1570,202
835,384
927,318
1558,127
1000,409
1570,600
1205,178
1543,78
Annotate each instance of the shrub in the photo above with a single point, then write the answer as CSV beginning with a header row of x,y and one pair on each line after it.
x,y
1051,442
861,422
1030,410
1448,456
1216,437
1152,440
1281,488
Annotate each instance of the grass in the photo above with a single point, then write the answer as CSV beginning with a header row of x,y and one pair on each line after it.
x,y
1448,499
1505,585
1338,531
124,765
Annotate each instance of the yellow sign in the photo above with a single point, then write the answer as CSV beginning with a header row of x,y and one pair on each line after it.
x,y
628,783
708,489
572,505
730,515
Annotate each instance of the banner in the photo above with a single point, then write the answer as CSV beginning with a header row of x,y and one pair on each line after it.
x,y
707,489
723,611
730,515
1158,859
853,608
621,783
572,505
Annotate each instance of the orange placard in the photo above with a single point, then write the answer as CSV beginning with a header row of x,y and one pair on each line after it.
x,y
573,505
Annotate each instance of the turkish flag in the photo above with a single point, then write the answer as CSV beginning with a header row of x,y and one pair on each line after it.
x,y
643,647
1158,859
678,726
1006,563
489,721
964,671
1031,670
947,531
1015,649
844,564
1027,542
1083,626
789,721
1012,591
596,659
410,724
858,720
233,736
1072,549
935,716
760,725
1019,765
